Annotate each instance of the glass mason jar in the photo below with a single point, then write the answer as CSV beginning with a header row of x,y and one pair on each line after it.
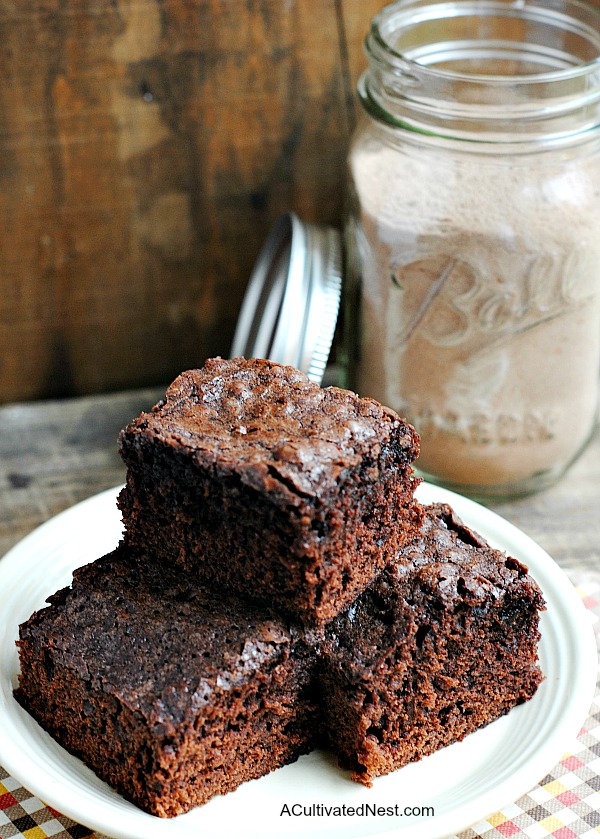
x,y
473,235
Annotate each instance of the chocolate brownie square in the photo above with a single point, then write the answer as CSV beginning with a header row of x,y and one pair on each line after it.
x,y
170,693
270,487
442,643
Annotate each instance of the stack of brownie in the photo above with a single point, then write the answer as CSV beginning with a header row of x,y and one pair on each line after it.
x,y
277,588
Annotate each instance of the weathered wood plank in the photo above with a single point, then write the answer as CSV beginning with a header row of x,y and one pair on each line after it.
x,y
54,454
146,146
357,20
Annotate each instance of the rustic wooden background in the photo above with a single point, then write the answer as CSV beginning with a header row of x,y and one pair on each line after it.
x,y
146,147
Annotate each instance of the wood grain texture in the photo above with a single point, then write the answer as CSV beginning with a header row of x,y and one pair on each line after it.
x,y
56,453
146,147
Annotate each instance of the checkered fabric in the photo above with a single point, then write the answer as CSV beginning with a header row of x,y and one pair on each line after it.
x,y
564,805
21,814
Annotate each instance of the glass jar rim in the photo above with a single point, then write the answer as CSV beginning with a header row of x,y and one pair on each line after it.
x,y
455,69
401,12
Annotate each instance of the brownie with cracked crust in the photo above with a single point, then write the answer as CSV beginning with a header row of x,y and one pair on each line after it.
x,y
168,692
442,643
269,486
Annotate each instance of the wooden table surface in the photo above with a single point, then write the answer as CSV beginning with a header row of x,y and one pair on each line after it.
x,y
53,454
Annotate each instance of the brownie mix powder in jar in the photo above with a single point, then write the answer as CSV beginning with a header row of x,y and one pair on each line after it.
x,y
472,304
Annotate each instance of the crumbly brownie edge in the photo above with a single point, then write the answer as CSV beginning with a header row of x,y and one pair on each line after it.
x,y
308,562
419,702
310,519
148,677
168,770
444,648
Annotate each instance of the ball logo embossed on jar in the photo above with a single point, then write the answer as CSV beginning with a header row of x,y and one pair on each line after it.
x,y
456,304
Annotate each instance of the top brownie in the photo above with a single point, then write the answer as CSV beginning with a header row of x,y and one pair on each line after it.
x,y
248,468
273,427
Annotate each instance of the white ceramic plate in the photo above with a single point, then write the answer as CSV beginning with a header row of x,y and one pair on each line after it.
x,y
463,782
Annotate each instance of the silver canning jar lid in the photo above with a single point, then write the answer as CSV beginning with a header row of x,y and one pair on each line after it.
x,y
292,301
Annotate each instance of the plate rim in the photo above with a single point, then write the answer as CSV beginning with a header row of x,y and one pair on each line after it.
x,y
454,821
